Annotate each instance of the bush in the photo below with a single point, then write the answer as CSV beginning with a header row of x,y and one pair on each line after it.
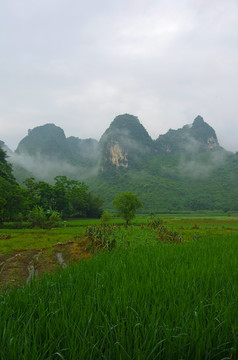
x,y
37,217
105,217
54,219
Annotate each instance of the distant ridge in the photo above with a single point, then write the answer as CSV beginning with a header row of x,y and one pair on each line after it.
x,y
184,169
199,136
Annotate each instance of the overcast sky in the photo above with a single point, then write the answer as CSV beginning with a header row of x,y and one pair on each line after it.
x,y
79,63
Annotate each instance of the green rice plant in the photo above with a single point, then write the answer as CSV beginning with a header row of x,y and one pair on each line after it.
x,y
154,221
158,301
101,236
163,233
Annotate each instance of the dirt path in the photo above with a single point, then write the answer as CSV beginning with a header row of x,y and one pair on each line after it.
x,y
23,265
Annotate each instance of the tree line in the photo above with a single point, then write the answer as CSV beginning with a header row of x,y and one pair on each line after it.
x,y
69,198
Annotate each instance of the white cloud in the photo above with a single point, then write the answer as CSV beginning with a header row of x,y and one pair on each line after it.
x,y
79,64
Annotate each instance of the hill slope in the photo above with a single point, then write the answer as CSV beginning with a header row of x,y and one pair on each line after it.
x,y
182,169
197,137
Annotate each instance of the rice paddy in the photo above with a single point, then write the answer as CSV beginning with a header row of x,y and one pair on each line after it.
x,y
142,299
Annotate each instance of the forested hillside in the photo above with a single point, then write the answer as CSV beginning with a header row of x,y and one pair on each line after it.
x,y
184,169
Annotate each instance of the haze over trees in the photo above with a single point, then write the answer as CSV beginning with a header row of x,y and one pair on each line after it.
x,y
70,198
182,170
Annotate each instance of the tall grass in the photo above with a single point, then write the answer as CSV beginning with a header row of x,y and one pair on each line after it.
x,y
160,301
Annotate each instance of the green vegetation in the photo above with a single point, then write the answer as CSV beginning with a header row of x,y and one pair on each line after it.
x,y
105,217
171,183
143,299
161,288
44,140
127,203
183,170
43,219
49,140
11,195
43,203
68,197
196,138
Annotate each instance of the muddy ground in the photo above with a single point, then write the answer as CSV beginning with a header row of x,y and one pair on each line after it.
x,y
21,266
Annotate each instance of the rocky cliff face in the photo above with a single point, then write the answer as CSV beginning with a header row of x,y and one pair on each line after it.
x,y
124,143
117,157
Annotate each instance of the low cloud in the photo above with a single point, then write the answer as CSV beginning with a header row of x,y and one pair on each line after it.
x,y
44,168
201,168
165,61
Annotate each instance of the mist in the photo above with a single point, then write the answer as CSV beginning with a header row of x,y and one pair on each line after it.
x,y
203,165
45,168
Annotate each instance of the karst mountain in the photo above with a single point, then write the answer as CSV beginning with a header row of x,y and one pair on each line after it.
x,y
184,169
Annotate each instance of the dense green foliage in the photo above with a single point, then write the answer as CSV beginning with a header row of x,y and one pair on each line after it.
x,y
146,301
68,197
185,169
40,218
11,195
126,204
172,184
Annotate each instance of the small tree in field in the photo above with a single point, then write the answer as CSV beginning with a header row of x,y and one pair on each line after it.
x,y
127,203
105,217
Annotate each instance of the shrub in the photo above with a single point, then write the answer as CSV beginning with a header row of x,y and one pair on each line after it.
x,y
101,237
54,219
37,217
105,217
